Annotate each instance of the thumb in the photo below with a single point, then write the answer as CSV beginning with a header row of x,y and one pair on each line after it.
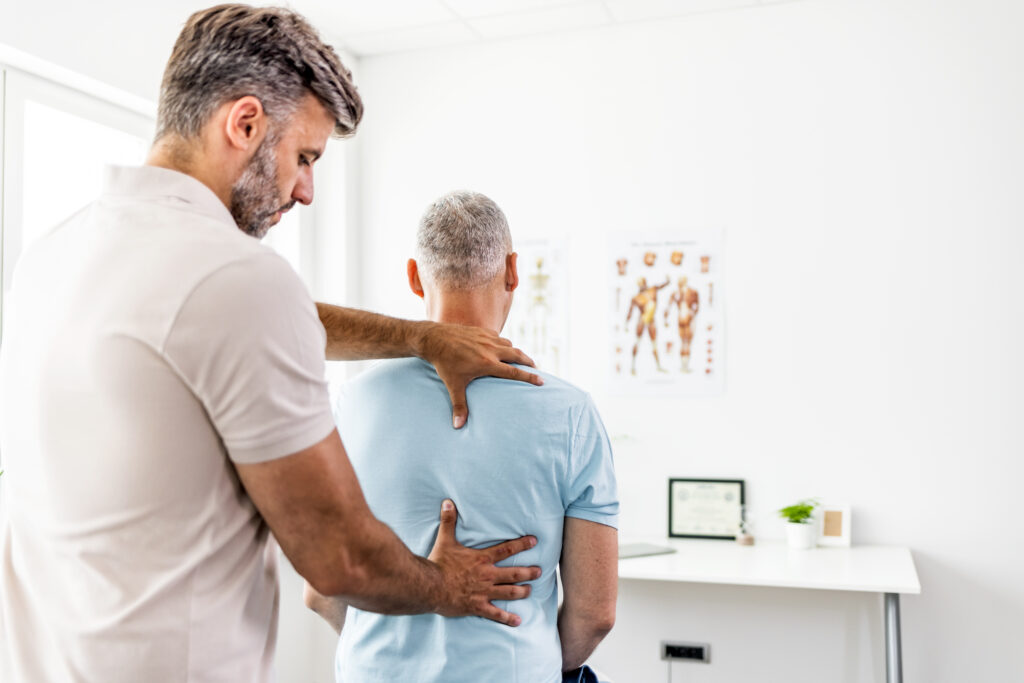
x,y
460,411
449,516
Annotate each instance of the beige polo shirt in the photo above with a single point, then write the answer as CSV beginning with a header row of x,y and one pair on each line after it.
x,y
148,343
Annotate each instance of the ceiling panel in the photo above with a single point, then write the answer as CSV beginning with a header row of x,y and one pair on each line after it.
x,y
344,17
420,37
638,10
542,21
487,8
368,27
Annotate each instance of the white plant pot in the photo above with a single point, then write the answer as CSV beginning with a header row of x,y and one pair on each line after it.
x,y
801,536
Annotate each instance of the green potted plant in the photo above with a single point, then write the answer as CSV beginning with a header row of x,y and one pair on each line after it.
x,y
801,531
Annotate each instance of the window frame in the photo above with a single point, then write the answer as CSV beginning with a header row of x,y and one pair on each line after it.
x,y
19,88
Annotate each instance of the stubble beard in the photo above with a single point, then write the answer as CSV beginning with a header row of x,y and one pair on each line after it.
x,y
254,197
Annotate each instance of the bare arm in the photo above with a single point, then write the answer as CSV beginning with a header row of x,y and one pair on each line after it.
x,y
459,353
590,574
313,504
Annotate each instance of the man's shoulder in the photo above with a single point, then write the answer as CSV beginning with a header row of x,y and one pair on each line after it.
x,y
253,297
555,389
500,404
390,371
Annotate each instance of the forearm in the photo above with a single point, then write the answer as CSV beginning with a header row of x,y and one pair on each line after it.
x,y
353,334
579,635
589,568
377,573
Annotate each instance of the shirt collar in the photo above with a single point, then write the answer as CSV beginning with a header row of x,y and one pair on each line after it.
x,y
154,182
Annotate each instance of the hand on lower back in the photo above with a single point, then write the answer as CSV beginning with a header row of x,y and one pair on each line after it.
x,y
471,579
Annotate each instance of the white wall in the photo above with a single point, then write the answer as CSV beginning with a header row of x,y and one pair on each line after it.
x,y
121,44
865,160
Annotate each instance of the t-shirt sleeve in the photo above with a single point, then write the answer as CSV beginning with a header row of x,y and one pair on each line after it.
x,y
250,345
592,493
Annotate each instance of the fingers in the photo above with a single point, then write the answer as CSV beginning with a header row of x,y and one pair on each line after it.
x,y
460,411
499,552
509,593
449,517
508,575
514,355
505,371
499,615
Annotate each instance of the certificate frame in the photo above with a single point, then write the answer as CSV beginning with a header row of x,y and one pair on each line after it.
x,y
834,525
723,502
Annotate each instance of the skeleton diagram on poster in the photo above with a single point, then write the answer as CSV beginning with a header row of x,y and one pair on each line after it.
x,y
538,322
667,315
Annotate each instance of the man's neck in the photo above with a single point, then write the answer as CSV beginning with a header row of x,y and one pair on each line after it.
x,y
467,307
176,155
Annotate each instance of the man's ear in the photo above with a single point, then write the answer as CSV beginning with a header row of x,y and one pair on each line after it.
x,y
511,272
246,123
414,278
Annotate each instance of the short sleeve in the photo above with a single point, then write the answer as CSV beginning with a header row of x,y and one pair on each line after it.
x,y
250,345
592,493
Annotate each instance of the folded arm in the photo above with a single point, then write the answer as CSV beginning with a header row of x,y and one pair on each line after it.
x,y
313,504
590,573
460,353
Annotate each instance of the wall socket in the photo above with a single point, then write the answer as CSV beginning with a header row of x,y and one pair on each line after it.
x,y
694,652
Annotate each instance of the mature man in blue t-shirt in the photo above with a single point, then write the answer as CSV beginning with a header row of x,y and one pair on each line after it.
x,y
531,461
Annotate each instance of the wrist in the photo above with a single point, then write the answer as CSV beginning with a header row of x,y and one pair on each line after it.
x,y
417,334
439,599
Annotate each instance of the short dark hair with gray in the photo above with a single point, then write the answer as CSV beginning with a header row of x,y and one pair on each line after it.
x,y
462,241
230,51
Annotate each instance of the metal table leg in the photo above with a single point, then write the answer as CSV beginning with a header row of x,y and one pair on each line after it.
x,y
893,649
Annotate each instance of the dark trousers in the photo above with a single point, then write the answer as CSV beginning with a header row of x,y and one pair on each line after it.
x,y
584,674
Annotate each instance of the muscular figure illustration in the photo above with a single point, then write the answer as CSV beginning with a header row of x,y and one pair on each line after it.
x,y
646,300
687,301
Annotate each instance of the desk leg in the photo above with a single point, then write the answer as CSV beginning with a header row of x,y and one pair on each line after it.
x,y
893,649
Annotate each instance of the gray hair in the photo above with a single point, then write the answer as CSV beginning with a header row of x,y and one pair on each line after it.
x,y
229,51
462,241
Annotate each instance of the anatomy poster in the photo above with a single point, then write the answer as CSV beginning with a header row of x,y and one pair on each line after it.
x,y
538,322
666,313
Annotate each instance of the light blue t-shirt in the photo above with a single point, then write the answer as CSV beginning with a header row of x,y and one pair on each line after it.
x,y
528,457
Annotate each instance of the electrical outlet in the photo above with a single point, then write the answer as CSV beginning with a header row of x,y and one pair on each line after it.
x,y
694,652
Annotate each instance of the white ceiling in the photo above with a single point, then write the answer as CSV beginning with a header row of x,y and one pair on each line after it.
x,y
374,27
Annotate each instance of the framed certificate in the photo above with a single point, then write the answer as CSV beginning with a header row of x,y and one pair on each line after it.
x,y
705,508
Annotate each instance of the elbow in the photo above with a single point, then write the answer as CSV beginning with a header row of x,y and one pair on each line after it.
x,y
600,619
596,621
603,622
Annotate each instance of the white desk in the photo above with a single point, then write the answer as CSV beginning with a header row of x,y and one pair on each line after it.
x,y
874,569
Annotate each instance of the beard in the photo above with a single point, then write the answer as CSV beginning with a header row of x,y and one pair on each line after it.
x,y
254,197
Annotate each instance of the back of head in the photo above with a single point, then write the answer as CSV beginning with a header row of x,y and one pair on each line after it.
x,y
229,51
462,241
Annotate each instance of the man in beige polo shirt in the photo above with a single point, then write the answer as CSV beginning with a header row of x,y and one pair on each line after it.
x,y
163,408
